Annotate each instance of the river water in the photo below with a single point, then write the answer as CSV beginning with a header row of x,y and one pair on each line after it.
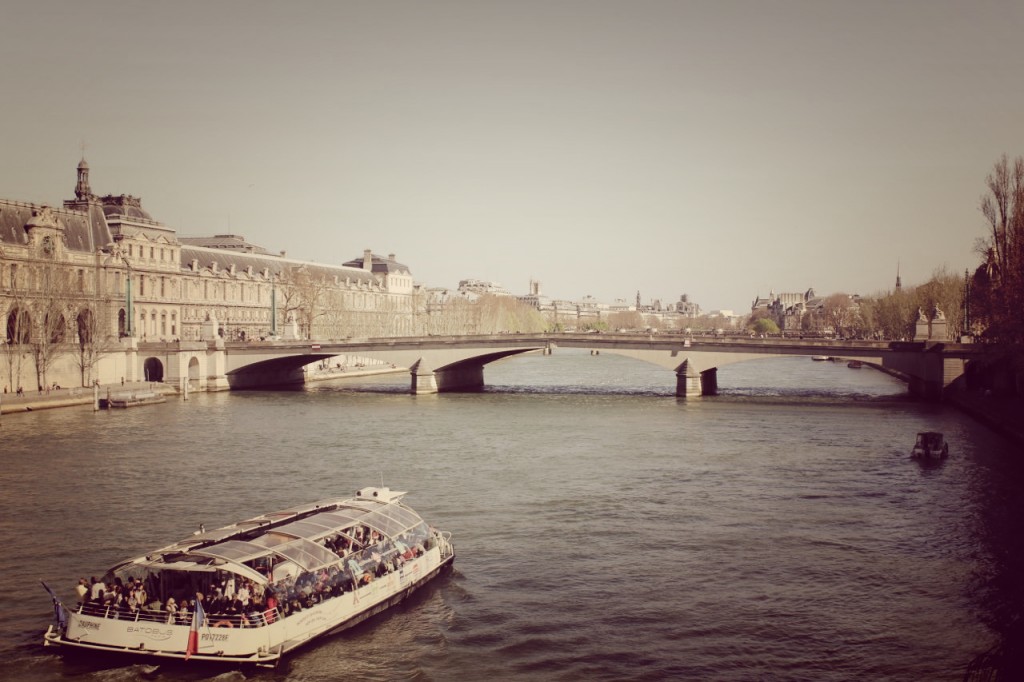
x,y
604,528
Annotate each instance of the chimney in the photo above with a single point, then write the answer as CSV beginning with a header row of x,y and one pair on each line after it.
x,y
367,260
391,256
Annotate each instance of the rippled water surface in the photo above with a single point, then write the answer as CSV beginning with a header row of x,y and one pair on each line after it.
x,y
604,529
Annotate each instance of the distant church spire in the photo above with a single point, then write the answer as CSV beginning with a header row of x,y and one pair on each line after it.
x,y
899,284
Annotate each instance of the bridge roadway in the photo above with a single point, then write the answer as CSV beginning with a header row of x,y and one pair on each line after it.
x,y
455,363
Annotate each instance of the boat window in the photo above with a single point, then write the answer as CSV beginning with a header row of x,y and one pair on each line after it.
x,y
340,517
306,528
271,539
233,550
391,520
309,555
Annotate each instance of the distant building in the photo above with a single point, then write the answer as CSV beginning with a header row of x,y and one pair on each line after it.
x,y
481,287
788,309
685,307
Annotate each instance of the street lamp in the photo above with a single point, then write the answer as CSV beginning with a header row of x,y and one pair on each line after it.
x,y
129,323
273,307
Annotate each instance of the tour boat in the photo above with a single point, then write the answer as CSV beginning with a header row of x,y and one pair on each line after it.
x,y
930,445
260,588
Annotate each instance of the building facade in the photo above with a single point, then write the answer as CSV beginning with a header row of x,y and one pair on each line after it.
x,y
77,281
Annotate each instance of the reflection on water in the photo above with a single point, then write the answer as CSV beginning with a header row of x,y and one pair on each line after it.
x,y
604,528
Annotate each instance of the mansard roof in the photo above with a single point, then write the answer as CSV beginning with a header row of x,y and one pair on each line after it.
x,y
225,258
379,264
84,231
124,205
230,242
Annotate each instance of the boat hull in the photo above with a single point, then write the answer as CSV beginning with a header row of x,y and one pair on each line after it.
x,y
263,645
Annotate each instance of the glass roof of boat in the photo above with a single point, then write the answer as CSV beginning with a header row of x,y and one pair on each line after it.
x,y
307,554
296,540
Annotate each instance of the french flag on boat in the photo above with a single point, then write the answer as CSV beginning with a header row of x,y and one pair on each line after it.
x,y
198,620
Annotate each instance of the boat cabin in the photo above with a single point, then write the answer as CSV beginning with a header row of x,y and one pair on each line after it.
x,y
298,556
930,444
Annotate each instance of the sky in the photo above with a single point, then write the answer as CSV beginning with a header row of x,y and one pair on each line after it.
x,y
720,149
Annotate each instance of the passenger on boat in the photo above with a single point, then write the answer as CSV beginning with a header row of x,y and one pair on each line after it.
x,y
229,587
271,607
141,597
172,610
97,590
184,617
82,590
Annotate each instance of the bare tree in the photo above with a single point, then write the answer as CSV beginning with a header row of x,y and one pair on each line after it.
x,y
53,302
627,319
945,292
311,292
1000,283
840,313
93,337
17,326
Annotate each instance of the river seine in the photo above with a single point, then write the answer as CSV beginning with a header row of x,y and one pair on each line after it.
x,y
604,529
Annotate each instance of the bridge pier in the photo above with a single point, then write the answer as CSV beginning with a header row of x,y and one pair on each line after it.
x,y
709,381
469,377
424,381
687,380
934,373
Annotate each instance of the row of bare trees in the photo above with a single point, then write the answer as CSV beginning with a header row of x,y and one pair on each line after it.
x,y
321,309
988,305
888,315
49,316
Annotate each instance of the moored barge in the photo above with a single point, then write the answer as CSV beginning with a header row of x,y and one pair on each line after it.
x,y
253,591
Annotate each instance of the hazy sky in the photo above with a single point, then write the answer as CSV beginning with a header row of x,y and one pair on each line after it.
x,y
719,149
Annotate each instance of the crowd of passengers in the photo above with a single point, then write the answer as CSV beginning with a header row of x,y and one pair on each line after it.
x,y
233,601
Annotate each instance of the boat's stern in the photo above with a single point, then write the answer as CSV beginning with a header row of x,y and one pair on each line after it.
x,y
150,635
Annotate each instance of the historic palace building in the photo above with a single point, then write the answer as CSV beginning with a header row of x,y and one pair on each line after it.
x,y
78,280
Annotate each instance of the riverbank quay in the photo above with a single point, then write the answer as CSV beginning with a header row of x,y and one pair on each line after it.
x,y
30,401
1002,414
54,398
345,373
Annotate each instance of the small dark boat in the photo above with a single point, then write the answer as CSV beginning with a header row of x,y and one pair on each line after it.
x,y
855,364
930,445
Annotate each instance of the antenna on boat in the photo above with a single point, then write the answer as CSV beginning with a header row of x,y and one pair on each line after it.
x,y
382,479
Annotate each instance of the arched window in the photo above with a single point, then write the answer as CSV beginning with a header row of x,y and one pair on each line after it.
x,y
56,327
19,326
85,330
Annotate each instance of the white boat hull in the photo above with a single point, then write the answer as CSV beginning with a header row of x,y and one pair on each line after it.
x,y
262,645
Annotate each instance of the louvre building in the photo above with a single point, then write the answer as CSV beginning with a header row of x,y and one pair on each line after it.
x,y
84,277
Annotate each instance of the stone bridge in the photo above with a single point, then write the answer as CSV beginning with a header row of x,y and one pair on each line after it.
x,y
456,363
